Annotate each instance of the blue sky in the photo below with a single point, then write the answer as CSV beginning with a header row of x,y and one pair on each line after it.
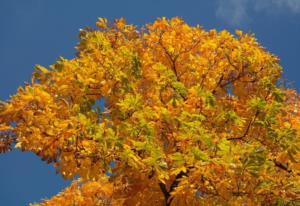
x,y
39,31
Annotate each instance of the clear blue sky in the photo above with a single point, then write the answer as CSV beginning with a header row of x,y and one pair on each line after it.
x,y
39,31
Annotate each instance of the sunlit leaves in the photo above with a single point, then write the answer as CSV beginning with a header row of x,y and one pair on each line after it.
x,y
200,155
129,105
187,116
257,104
254,161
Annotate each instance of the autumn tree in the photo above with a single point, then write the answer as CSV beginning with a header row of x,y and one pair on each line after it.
x,y
190,117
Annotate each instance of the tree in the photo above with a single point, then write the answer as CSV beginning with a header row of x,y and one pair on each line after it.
x,y
191,117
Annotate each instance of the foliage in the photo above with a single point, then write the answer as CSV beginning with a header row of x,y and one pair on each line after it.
x,y
191,117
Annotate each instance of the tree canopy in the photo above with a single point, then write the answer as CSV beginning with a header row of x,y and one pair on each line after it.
x,y
165,114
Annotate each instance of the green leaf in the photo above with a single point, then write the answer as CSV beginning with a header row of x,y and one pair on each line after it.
x,y
179,88
139,145
199,155
257,104
255,160
136,67
178,158
280,202
41,69
224,147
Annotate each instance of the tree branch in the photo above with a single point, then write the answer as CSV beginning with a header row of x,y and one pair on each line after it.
x,y
167,194
247,129
282,166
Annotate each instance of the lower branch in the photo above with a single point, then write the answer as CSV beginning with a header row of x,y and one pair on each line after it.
x,y
167,194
